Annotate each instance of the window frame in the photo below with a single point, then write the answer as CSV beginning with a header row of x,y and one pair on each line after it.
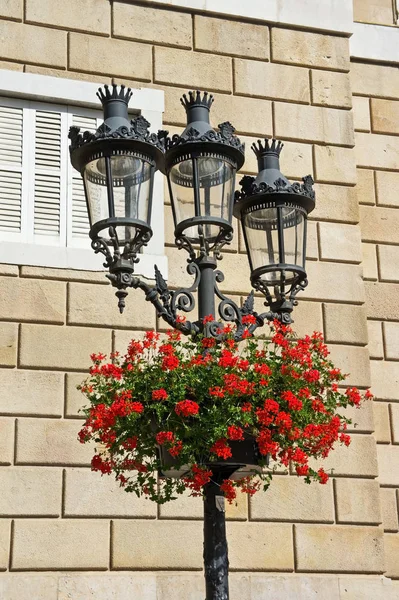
x,y
34,91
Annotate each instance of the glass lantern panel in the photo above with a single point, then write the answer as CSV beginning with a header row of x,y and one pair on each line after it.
x,y
293,227
182,187
131,185
216,189
96,192
262,239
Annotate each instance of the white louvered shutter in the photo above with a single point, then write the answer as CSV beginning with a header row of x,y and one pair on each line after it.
x,y
79,220
11,138
47,173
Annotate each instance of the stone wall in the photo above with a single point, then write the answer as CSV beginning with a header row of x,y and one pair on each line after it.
x,y
334,541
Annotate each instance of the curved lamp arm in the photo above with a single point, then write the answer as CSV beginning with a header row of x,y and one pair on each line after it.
x,y
168,303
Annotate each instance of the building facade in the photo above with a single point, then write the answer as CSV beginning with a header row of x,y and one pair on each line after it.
x,y
321,75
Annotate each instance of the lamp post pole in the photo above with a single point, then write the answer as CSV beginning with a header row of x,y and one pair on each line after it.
x,y
118,163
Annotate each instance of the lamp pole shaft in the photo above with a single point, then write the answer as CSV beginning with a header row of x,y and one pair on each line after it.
x,y
206,287
216,561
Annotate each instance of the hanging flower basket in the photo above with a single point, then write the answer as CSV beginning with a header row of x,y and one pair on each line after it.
x,y
181,408
245,457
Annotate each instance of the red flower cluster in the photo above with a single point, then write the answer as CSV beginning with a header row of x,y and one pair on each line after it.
x,y
221,448
285,395
186,408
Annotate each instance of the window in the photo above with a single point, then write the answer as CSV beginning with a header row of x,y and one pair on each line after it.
x,y
43,214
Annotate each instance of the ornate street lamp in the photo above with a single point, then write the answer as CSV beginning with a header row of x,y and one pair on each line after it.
x,y
118,163
273,213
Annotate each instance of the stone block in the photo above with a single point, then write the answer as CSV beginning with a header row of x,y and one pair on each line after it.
x,y
388,257
31,393
387,184
334,165
323,278
362,588
385,379
116,58
376,346
28,586
312,244
357,501
8,344
184,507
388,465
369,263
345,323
75,400
89,494
362,418
296,160
95,18
32,300
147,545
6,441
87,305
340,242
196,70
251,116
389,509
361,113
359,460
28,492
4,544
331,89
379,224
143,23
222,36
335,203
140,586
64,274
61,347
391,341
51,442
45,544
320,548
101,79
373,11
10,270
391,542
269,80
385,116
376,151
375,80
353,360
313,123
295,587
310,49
11,9
394,413
273,543
290,499
184,585
382,300
31,44
365,188
122,338
307,318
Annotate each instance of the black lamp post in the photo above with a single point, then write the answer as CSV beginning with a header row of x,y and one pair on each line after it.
x,y
118,163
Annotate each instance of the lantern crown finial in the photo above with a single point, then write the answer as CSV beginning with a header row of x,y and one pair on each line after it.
x,y
196,99
268,147
107,95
